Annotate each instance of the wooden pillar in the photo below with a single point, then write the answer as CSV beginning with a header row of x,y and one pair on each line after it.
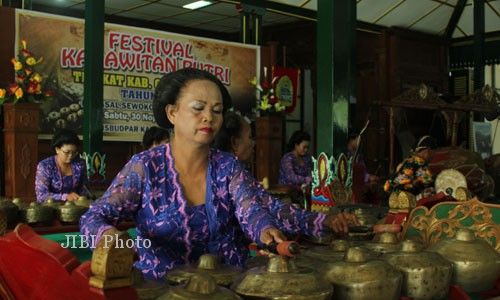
x,y
478,44
257,27
268,129
336,36
251,23
7,23
245,35
268,140
392,132
93,81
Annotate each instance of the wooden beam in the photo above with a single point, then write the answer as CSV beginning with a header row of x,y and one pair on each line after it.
x,y
304,3
455,17
493,9
469,40
389,10
425,15
444,3
283,8
479,24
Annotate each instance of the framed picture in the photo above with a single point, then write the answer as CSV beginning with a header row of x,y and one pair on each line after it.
x,y
482,138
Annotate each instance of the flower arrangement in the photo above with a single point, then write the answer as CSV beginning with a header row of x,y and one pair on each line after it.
x,y
28,84
267,100
413,176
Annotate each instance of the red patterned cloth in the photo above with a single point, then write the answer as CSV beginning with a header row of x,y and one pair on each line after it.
x,y
434,199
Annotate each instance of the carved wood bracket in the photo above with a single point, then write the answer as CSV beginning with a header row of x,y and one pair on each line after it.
x,y
444,219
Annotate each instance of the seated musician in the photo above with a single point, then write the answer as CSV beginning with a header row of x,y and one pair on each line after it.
x,y
235,136
413,174
296,165
154,136
363,182
185,197
62,176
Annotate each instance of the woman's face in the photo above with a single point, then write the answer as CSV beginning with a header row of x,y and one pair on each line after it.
x,y
197,115
302,148
66,153
243,145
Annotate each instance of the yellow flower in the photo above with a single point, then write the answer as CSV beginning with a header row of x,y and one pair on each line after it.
x,y
408,172
419,160
387,185
2,93
253,81
404,181
31,61
17,64
279,107
19,93
23,42
37,77
264,104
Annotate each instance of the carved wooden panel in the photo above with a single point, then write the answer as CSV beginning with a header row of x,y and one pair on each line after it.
x,y
20,149
444,219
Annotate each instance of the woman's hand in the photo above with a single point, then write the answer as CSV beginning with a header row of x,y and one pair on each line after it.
x,y
271,234
340,222
72,196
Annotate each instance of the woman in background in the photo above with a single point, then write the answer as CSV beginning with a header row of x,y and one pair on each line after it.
x,y
235,136
62,176
296,165
154,136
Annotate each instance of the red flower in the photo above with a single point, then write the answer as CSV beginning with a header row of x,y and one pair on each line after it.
x,y
13,88
265,85
26,53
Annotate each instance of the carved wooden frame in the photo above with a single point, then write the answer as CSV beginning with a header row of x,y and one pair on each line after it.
x,y
423,97
435,224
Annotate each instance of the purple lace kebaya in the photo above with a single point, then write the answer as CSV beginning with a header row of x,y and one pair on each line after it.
x,y
236,209
49,183
294,173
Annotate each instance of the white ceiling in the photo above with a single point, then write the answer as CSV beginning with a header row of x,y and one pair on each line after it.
x,y
430,16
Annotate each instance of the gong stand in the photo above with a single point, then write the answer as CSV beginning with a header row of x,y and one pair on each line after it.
x,y
484,100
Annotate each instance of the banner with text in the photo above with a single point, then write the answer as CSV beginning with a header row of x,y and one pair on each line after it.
x,y
134,61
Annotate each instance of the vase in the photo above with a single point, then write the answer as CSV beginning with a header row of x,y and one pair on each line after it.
x,y
20,149
268,144
269,113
